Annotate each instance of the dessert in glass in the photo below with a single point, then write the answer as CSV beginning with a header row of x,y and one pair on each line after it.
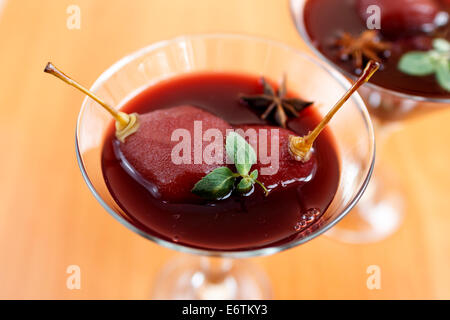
x,y
410,38
184,108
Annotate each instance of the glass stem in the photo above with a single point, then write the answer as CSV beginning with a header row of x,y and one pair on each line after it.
x,y
215,280
215,269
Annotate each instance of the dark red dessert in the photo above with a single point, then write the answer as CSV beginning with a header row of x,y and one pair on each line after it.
x,y
159,201
149,150
402,17
407,25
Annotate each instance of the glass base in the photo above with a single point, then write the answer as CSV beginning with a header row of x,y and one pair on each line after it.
x,y
378,214
202,278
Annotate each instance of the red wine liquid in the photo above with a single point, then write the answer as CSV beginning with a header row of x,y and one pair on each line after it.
x,y
326,19
237,223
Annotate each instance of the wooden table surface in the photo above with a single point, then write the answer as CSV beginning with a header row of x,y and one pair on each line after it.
x,y
49,219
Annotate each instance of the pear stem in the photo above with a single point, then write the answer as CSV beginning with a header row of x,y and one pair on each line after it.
x,y
122,118
300,147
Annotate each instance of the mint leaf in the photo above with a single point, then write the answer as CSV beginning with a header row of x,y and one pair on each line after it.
x,y
443,74
441,45
247,182
435,61
245,159
231,144
254,175
216,185
241,152
245,185
417,63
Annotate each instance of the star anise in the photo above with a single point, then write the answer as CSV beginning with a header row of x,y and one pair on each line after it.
x,y
276,102
367,45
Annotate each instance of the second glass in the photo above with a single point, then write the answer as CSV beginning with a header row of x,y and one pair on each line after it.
x,y
379,213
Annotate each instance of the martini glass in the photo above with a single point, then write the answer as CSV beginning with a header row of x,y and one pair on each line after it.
x,y
219,274
379,213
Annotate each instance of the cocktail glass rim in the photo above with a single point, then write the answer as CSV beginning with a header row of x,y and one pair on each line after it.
x,y
228,254
297,13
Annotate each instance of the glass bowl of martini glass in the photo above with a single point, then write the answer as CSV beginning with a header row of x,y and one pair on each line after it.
x,y
411,39
206,75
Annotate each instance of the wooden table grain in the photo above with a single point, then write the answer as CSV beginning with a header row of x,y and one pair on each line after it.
x,y
49,220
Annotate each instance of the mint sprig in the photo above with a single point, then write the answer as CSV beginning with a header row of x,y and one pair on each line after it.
x,y
425,63
221,182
